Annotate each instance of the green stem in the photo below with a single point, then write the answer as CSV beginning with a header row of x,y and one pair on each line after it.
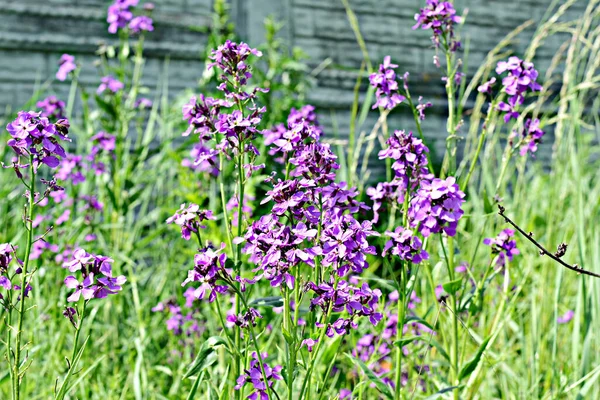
x,y
449,159
29,222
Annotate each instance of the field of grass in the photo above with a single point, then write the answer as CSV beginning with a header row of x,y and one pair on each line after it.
x,y
460,324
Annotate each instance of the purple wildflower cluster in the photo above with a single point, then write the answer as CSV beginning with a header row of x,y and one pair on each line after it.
x,y
436,207
189,219
254,376
386,86
339,296
521,78
209,269
97,280
233,131
52,108
35,136
441,18
406,246
120,16
504,246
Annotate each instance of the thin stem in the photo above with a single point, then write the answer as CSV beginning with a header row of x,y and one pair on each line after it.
x,y
29,223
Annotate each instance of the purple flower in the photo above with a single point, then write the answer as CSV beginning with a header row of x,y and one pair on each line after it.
x,y
440,17
410,158
566,317
254,376
357,301
7,252
531,136
66,66
436,206
189,219
119,14
142,23
52,108
521,77
315,162
143,102
111,84
5,282
384,81
84,288
209,267
309,343
504,246
35,135
406,246
98,281
231,58
487,86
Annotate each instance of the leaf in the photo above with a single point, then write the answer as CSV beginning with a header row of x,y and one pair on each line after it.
x,y
440,348
439,394
381,386
419,320
404,341
453,286
271,301
288,337
472,364
206,356
488,207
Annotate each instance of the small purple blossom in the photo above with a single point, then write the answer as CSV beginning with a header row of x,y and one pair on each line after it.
x,y
406,246
254,376
66,65
566,317
141,23
504,246
52,108
111,84
189,218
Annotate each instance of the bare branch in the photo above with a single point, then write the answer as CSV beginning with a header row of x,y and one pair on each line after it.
x,y
562,248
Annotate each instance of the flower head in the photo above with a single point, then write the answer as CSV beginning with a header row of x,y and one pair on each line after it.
x,y
66,65
386,85
34,135
440,17
504,246
111,84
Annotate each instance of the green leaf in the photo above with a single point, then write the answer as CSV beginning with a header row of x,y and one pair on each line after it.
x,y
439,394
381,386
453,286
472,364
488,207
419,320
206,356
440,348
271,301
404,341
288,337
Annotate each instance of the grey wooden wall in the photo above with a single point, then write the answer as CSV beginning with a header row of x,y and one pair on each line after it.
x,y
34,33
